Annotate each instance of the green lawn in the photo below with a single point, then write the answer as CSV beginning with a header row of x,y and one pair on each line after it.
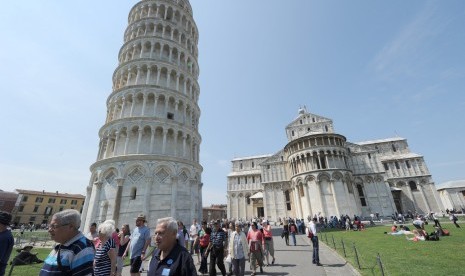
x,y
398,255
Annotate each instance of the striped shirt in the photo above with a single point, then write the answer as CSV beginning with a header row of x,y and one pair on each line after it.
x,y
76,257
218,238
102,260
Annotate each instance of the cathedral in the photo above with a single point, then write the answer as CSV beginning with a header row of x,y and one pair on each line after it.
x,y
148,158
318,172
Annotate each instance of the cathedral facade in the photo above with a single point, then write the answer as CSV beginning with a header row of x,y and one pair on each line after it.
x,y
318,172
148,158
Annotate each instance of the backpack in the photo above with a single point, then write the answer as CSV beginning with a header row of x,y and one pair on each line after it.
x,y
432,237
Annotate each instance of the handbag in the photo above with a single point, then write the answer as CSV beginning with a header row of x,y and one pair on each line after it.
x,y
310,234
228,260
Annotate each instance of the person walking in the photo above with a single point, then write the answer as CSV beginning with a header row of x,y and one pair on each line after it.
x,y
293,231
123,236
454,219
105,253
316,250
286,231
256,244
269,247
139,241
170,258
74,253
238,249
216,247
6,240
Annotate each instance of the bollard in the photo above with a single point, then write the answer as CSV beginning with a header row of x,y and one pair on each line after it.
x,y
380,264
356,257
343,248
334,244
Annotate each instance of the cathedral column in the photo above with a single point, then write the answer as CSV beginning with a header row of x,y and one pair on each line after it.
x,y
139,140
415,205
117,203
333,191
174,192
420,188
275,205
245,206
296,205
265,203
307,196
320,196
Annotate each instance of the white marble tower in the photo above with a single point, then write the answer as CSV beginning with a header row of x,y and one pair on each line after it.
x,y
148,158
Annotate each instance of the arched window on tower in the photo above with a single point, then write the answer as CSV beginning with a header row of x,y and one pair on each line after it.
x,y
133,193
413,185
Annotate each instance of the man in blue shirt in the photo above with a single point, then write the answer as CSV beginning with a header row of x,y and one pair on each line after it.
x,y
138,243
170,258
74,253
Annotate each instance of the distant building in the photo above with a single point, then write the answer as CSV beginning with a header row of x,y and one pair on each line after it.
x,y
37,207
7,201
452,194
318,172
214,212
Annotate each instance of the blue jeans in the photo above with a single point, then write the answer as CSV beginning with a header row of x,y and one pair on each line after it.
x,y
316,250
293,238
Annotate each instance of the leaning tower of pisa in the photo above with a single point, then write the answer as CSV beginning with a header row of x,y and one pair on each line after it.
x,y
148,157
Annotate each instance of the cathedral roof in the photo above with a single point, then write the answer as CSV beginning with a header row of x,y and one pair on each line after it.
x,y
379,141
451,184
409,155
251,157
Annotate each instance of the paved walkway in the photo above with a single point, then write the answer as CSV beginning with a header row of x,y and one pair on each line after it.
x,y
296,260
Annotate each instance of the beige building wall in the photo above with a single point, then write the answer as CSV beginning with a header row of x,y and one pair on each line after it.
x,y
37,207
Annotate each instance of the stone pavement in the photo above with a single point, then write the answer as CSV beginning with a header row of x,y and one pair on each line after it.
x,y
295,260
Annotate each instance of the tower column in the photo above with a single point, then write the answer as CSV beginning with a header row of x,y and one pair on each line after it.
x,y
117,203
152,140
165,133
149,72
139,140
144,103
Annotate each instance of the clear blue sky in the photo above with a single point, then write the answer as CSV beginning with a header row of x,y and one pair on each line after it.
x,y
377,68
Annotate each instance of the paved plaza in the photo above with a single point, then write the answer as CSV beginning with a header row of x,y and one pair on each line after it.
x,y
297,260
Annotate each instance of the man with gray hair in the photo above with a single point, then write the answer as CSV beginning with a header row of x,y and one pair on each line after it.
x,y
74,253
170,258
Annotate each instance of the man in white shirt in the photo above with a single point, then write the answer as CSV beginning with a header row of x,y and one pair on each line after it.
x,y
316,250
193,234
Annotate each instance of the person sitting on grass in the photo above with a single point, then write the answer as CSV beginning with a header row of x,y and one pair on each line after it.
x,y
418,236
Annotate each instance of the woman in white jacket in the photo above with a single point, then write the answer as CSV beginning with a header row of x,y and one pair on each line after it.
x,y
238,250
